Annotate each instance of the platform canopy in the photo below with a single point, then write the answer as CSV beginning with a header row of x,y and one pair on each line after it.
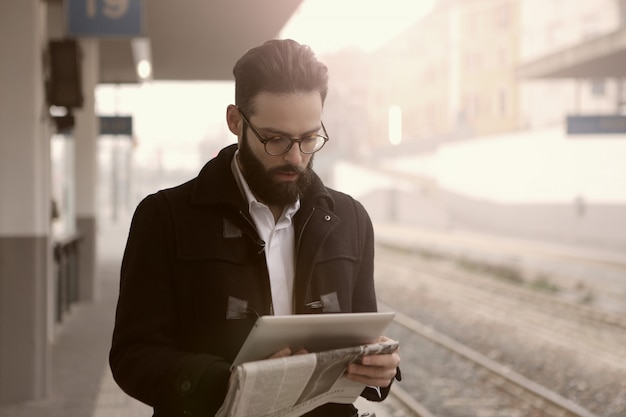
x,y
597,58
194,39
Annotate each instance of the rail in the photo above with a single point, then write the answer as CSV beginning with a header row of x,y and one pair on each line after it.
x,y
564,406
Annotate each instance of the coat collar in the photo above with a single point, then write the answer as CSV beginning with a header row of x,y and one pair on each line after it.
x,y
216,185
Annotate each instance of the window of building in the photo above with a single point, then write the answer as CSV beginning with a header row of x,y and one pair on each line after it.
x,y
598,88
502,15
502,103
395,125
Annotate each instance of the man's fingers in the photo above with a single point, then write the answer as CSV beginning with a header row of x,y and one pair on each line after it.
x,y
288,352
281,353
370,376
376,370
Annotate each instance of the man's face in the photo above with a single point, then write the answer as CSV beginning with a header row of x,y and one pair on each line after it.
x,y
279,180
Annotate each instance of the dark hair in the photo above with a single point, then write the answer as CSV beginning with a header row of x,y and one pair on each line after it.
x,y
278,66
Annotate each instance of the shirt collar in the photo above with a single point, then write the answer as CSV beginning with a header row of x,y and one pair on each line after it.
x,y
288,211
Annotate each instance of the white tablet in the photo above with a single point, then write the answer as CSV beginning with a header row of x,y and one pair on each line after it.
x,y
314,332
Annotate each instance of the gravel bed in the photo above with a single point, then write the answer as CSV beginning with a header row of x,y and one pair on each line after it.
x,y
596,386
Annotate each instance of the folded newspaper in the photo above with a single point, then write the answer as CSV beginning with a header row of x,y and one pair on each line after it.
x,y
294,385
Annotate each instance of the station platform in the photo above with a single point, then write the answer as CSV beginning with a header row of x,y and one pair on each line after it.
x,y
576,272
81,381
457,240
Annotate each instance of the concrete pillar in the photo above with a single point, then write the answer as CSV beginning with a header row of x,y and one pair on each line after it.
x,y
25,252
86,169
455,119
621,7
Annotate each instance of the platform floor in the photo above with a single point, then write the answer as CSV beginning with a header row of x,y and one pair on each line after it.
x,y
81,381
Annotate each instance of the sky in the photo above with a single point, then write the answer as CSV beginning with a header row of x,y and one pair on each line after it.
x,y
328,26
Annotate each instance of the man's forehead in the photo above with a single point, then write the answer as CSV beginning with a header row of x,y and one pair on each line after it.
x,y
266,100
288,110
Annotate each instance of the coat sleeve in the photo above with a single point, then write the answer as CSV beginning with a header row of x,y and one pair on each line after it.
x,y
364,293
145,357
365,289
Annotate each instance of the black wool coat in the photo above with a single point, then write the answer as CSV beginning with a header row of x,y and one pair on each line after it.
x,y
194,278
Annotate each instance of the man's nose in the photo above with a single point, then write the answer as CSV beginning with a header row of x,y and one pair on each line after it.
x,y
293,155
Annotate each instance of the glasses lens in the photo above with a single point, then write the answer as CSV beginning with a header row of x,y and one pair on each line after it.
x,y
312,144
277,146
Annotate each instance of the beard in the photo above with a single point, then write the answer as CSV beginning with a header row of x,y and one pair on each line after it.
x,y
262,182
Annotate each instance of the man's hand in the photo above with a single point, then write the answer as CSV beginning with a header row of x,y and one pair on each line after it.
x,y
375,370
288,352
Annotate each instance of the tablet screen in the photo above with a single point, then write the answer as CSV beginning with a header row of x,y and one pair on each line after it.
x,y
313,332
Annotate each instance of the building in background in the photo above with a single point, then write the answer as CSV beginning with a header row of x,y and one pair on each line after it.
x,y
489,48
475,103
455,73
556,35
452,74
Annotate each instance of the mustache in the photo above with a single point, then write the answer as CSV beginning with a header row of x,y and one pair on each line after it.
x,y
290,169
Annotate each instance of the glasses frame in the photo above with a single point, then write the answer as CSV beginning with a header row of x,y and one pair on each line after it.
x,y
265,141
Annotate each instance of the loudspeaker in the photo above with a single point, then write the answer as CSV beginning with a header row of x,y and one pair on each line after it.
x,y
64,124
64,84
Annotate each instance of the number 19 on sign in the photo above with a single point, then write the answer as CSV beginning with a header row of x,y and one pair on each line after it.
x,y
112,9
105,18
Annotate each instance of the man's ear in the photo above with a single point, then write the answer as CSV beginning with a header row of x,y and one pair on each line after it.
x,y
233,119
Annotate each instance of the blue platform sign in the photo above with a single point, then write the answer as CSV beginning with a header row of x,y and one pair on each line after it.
x,y
116,125
596,124
105,18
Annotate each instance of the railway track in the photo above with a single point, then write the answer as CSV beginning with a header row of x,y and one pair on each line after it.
x,y
599,335
472,376
485,280
511,392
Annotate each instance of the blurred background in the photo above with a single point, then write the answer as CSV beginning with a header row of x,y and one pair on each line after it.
x,y
490,133
457,112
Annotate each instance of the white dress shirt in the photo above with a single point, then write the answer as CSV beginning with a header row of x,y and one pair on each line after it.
x,y
279,238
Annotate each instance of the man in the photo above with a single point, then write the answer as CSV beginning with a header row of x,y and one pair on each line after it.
x,y
255,233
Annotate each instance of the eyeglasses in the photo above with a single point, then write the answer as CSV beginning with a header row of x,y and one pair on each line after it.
x,y
279,145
